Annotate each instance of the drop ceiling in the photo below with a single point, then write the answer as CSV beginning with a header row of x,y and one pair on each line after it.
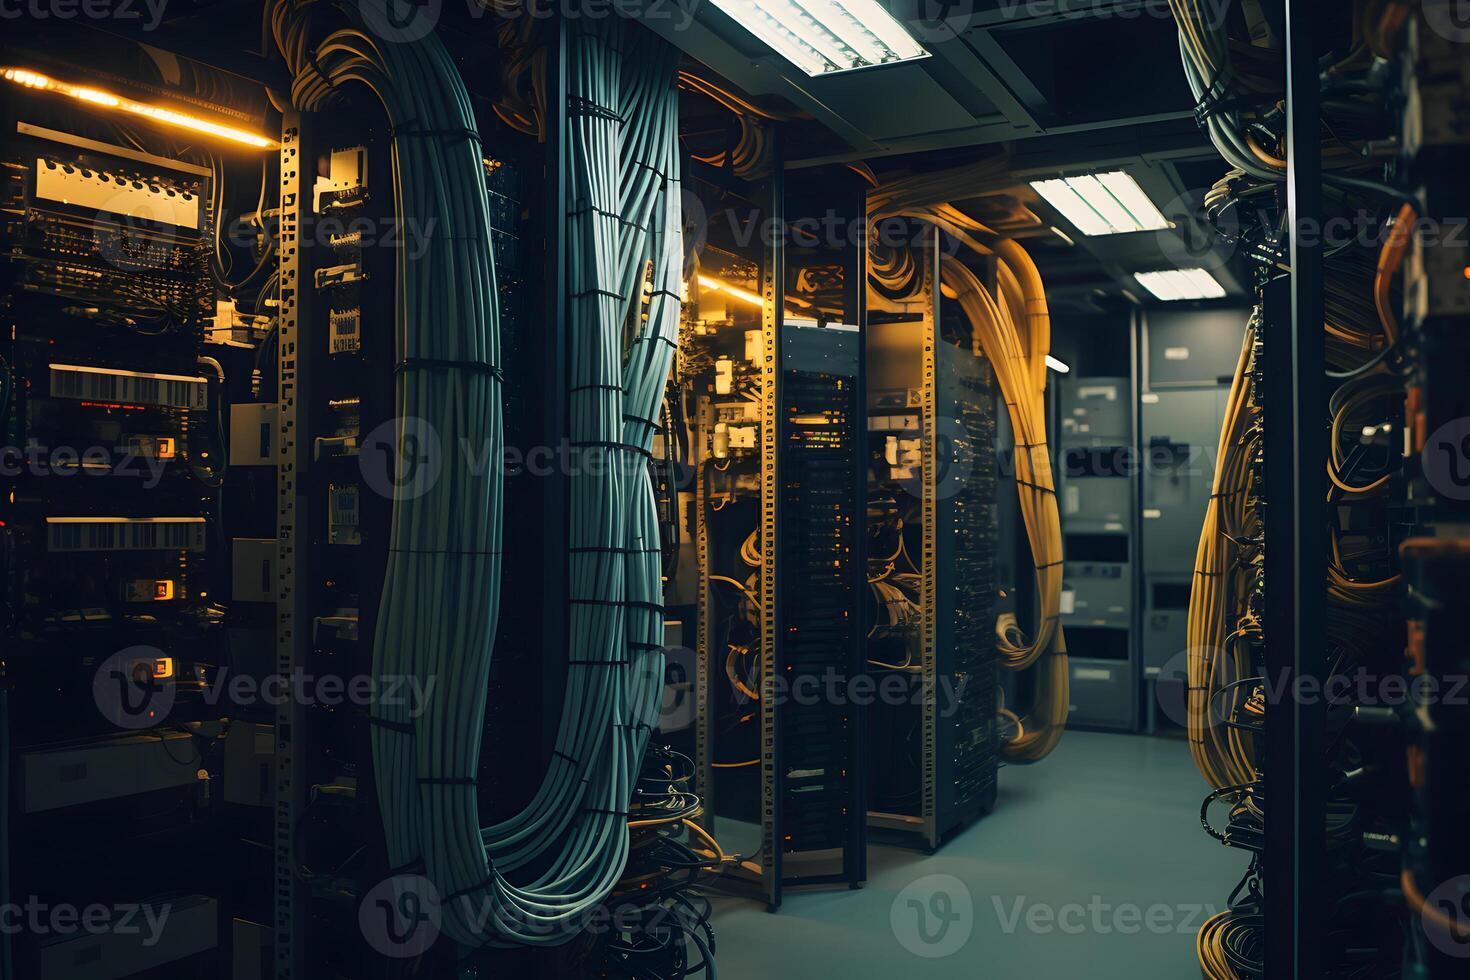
x,y
1067,86
1001,70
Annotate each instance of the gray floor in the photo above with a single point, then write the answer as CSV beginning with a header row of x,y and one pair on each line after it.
x,y
1093,866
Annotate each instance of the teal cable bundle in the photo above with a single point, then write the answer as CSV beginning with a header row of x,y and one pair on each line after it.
x,y
439,607
624,246
567,849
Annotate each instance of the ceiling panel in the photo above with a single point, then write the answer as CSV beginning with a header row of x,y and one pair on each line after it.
x,y
1000,70
895,101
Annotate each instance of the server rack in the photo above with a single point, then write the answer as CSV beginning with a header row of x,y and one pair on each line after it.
x,y
110,505
1436,559
787,463
336,464
932,460
342,454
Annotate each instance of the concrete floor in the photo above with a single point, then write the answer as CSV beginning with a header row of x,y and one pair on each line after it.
x,y
1093,866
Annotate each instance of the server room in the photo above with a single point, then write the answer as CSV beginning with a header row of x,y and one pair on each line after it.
x,y
734,490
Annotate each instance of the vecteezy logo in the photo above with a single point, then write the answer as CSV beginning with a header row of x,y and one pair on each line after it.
x,y
1450,19
128,690
1171,688
676,709
401,21
122,238
695,221
942,20
934,916
1196,241
954,458
1446,917
1446,459
401,917
402,458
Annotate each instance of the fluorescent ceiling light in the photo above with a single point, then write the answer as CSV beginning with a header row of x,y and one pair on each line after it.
x,y
1059,366
1175,284
105,100
1102,204
825,36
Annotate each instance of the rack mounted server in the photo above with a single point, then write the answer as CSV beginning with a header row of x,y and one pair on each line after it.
x,y
931,563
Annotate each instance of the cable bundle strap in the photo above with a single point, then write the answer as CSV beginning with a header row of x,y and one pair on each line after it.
x,y
444,364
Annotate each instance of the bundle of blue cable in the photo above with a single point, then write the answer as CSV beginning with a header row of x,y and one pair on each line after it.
x,y
536,877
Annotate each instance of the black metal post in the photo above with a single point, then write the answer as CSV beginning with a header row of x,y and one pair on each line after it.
x,y
294,537
855,862
773,432
1296,541
556,504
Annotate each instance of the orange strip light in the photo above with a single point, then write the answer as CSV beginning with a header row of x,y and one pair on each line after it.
x,y
169,117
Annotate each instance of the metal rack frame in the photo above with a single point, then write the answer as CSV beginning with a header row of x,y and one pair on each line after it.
x,y
293,614
769,882
1296,559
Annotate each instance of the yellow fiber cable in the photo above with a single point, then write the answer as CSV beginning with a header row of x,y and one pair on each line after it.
x,y
1016,341
1215,655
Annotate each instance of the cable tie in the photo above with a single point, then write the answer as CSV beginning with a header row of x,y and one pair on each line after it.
x,y
613,445
666,292
452,135
487,883
595,602
1050,564
599,292
578,212
651,169
441,364
1210,104
597,387
559,754
402,727
639,645
459,552
649,606
316,66
416,865
580,106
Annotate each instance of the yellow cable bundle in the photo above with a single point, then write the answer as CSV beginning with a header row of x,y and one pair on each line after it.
x,y
1014,332
1222,578
1012,328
